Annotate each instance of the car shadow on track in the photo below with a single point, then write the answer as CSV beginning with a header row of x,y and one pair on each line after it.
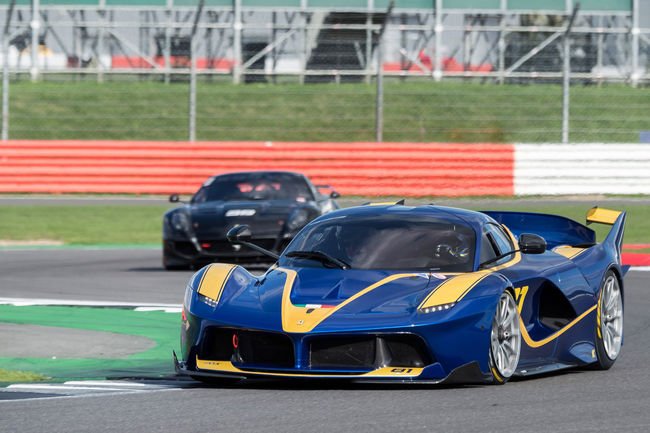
x,y
329,384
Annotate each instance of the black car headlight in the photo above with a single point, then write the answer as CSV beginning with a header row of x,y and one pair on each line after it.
x,y
298,219
180,222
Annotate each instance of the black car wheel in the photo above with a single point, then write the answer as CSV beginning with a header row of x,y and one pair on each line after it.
x,y
505,339
609,322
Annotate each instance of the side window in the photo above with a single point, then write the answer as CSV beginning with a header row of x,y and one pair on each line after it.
x,y
501,239
494,242
200,196
488,248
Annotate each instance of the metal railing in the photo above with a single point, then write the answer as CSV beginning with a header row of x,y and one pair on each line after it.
x,y
417,53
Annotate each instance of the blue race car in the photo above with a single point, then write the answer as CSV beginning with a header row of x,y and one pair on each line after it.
x,y
430,294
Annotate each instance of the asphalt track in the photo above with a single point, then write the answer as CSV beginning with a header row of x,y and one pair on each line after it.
x,y
576,401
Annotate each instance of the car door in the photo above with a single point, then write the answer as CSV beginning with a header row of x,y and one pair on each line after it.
x,y
550,292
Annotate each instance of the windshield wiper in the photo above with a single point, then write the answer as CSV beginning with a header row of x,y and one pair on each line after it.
x,y
320,256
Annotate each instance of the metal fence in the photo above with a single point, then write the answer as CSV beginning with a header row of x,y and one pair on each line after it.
x,y
312,71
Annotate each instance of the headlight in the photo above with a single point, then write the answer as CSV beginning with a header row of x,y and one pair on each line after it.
x,y
188,298
181,222
298,219
438,308
208,301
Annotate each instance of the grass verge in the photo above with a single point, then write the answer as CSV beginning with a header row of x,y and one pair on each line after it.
x,y
415,110
162,328
12,376
141,225
83,225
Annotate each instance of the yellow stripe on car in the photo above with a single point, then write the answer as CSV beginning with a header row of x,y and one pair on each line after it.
x,y
568,251
214,280
228,367
535,344
303,319
453,289
602,216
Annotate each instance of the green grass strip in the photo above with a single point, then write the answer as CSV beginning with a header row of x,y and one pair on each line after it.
x,y
95,226
11,376
83,225
162,328
415,110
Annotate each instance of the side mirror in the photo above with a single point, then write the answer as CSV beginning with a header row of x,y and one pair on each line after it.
x,y
530,243
242,235
174,198
334,194
239,234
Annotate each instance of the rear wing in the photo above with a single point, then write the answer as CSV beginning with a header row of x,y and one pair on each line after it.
x,y
614,218
556,230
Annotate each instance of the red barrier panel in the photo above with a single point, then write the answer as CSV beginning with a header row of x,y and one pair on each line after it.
x,y
401,169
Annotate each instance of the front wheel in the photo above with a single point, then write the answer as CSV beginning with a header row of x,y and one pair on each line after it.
x,y
609,323
505,339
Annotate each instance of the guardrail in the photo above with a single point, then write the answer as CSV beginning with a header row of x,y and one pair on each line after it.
x,y
368,169
594,168
403,169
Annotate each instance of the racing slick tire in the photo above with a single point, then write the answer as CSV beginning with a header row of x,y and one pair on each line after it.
x,y
609,322
505,340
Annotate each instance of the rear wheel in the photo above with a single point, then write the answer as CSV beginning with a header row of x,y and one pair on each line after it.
x,y
505,339
609,322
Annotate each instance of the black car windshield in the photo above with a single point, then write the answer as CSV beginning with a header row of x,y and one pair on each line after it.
x,y
254,186
393,241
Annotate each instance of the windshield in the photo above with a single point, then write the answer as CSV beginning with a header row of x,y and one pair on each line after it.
x,y
254,186
414,242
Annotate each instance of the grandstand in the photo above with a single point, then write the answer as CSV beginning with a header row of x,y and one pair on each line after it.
x,y
323,40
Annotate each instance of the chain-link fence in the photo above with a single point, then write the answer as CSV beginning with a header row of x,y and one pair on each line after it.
x,y
309,73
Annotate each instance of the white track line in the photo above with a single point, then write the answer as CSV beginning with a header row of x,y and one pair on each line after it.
x,y
85,388
84,395
640,268
81,303
47,388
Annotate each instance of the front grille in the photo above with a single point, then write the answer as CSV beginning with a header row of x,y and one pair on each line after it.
x,y
264,348
403,350
407,350
343,352
185,248
216,344
246,347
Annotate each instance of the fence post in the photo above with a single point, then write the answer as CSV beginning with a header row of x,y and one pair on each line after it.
x,y
236,41
566,82
35,25
168,41
5,73
437,54
193,52
634,76
379,105
100,40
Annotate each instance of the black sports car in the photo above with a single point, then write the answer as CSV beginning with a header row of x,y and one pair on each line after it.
x,y
276,205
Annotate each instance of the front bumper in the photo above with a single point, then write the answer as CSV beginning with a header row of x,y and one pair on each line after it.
x,y
469,373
